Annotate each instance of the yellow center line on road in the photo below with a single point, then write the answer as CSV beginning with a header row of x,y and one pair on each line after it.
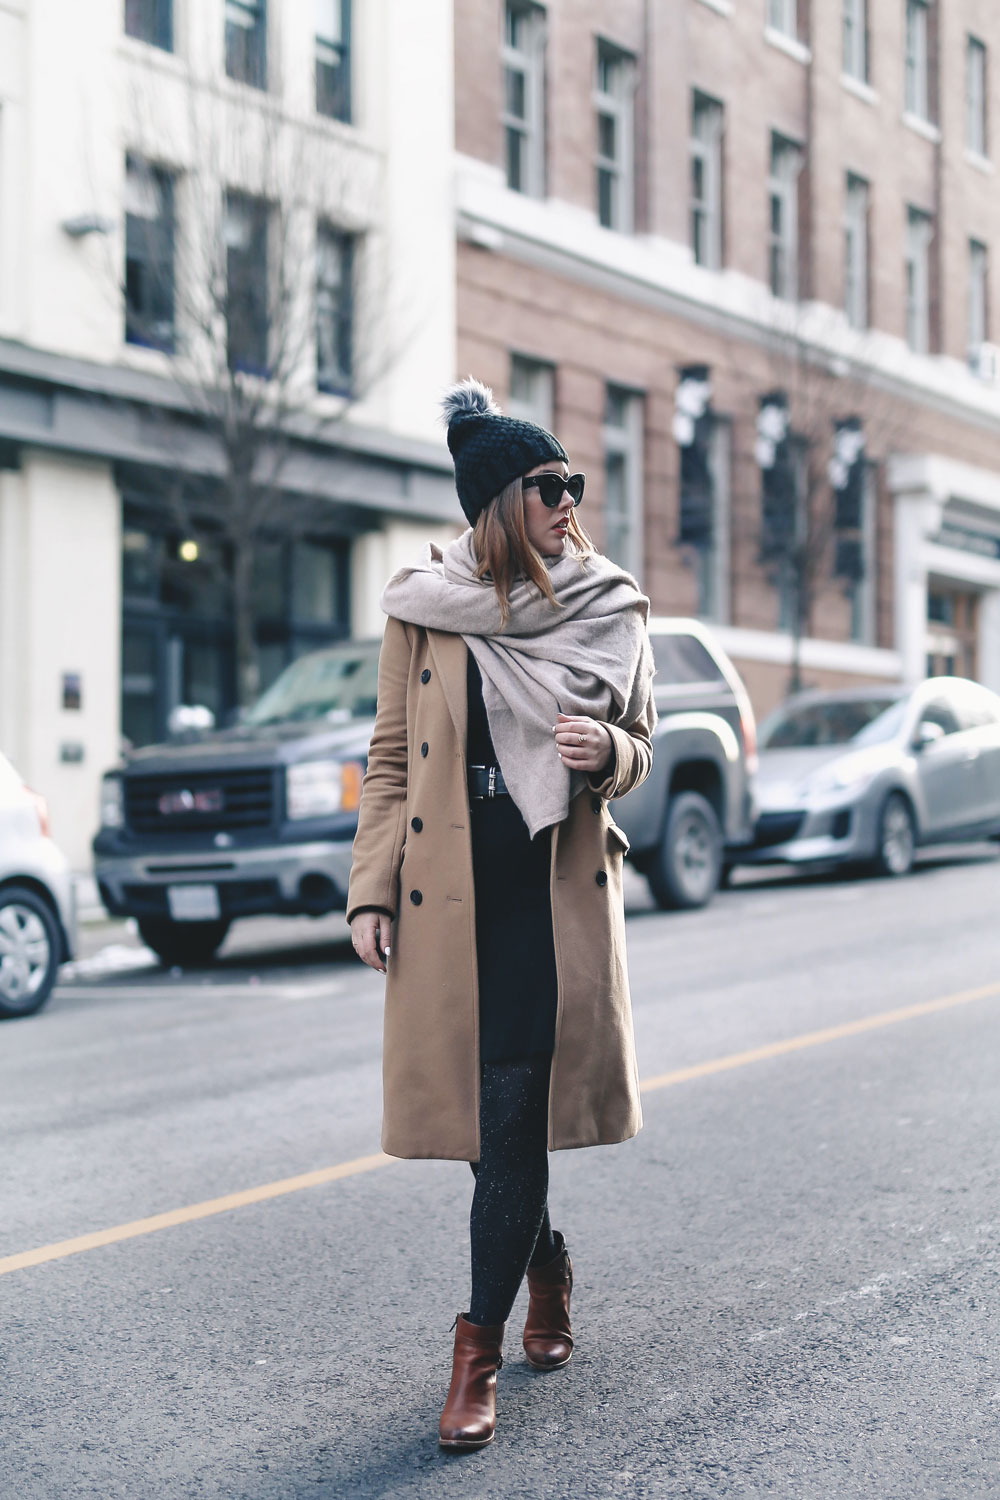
x,y
361,1164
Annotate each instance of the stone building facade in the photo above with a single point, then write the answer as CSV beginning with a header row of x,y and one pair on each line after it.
x,y
779,210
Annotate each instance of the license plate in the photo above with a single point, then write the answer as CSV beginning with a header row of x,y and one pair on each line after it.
x,y
193,903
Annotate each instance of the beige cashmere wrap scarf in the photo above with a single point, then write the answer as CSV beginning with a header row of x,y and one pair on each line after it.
x,y
591,655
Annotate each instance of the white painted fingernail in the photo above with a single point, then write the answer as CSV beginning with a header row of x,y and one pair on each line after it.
x,y
387,952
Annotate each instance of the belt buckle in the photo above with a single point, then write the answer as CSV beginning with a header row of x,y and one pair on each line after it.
x,y
491,790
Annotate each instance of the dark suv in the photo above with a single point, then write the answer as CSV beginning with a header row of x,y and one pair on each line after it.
x,y
260,818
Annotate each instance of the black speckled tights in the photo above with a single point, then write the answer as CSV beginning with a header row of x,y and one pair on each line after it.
x,y
509,1222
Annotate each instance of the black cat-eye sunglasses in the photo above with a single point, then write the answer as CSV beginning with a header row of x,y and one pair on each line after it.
x,y
552,487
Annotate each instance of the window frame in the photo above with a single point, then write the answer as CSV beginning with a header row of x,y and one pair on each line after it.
x,y
259,212
783,17
783,188
624,440
340,307
916,60
618,105
335,58
706,213
540,374
857,251
917,279
978,308
159,28
856,58
976,96
162,265
530,127
255,74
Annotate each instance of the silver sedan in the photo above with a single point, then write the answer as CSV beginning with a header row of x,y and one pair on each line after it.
x,y
865,776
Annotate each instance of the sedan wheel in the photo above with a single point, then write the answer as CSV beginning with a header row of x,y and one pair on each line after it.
x,y
897,839
29,951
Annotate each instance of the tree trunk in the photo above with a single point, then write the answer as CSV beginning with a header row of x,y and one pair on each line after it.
x,y
247,667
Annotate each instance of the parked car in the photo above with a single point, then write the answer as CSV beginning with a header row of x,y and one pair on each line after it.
x,y
696,809
37,930
260,818
865,776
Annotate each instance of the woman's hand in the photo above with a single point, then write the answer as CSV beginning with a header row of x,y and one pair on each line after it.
x,y
583,744
371,933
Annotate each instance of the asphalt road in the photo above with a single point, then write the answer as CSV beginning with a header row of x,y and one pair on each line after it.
x,y
787,1285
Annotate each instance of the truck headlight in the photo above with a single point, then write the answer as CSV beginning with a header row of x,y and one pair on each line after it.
x,y
112,802
316,788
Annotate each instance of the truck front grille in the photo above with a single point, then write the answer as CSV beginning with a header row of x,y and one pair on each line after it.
x,y
203,801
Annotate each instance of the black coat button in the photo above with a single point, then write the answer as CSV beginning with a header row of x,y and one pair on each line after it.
x,y
416,897
424,748
601,877
596,803
417,824
425,675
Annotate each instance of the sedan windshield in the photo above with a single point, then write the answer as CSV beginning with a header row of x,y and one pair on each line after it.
x,y
336,685
838,721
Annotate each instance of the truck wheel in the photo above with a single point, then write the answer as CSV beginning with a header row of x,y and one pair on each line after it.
x,y
182,943
684,872
29,951
897,838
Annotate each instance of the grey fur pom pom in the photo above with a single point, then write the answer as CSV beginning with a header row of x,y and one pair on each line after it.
x,y
470,398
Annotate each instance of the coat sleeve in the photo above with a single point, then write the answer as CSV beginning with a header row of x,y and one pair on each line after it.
x,y
633,755
378,843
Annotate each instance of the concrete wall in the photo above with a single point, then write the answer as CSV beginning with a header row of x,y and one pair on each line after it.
x,y
60,572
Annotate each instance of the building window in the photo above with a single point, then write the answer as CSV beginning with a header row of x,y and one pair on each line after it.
x,y
855,61
151,21
783,240
861,590
706,181
246,41
623,466
524,97
334,309
782,15
246,225
975,97
149,255
919,230
532,391
856,251
917,91
978,299
613,101
333,59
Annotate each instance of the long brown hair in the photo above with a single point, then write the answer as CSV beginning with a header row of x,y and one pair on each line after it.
x,y
505,553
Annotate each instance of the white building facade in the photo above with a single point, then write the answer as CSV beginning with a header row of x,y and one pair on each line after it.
x,y
149,150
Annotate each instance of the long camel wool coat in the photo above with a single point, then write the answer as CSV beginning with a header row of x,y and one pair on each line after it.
x,y
413,859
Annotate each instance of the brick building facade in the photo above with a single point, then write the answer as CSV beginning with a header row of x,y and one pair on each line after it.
x,y
780,211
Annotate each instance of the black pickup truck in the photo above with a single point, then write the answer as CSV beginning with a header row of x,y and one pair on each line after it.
x,y
260,818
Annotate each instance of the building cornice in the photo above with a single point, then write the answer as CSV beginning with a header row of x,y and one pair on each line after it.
x,y
127,416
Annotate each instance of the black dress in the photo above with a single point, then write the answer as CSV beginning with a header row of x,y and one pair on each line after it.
x,y
514,945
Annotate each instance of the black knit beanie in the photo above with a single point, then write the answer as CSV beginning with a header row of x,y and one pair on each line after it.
x,y
490,449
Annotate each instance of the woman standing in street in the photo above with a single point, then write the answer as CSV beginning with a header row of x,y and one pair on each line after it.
x,y
515,699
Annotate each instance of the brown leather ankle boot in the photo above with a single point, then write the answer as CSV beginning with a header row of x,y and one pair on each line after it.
x,y
548,1341
469,1418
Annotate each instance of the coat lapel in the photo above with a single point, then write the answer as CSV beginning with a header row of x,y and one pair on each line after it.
x,y
450,655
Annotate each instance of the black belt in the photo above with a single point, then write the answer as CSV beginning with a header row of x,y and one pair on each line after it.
x,y
486,781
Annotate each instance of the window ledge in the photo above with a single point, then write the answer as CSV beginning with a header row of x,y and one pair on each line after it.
x,y
981,163
859,88
721,7
789,45
922,127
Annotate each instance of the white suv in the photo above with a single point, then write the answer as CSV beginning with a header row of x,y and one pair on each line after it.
x,y
37,928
